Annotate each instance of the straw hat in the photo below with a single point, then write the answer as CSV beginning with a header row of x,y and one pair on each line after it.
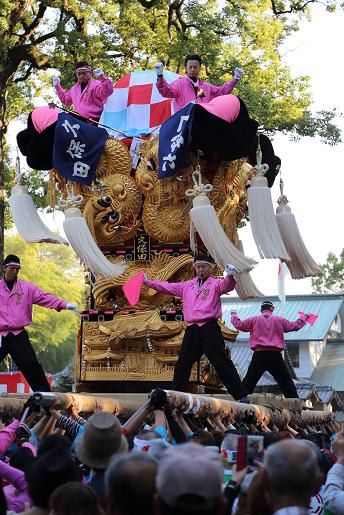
x,y
102,437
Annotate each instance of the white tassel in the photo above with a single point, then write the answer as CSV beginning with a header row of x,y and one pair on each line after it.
x,y
26,218
83,244
204,218
245,287
262,217
193,239
301,264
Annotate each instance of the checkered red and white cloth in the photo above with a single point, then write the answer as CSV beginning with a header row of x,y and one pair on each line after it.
x,y
136,106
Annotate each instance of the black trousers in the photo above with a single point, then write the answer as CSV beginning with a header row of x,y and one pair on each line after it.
x,y
20,349
206,339
271,361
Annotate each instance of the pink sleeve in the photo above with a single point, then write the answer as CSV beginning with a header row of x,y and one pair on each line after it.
x,y
166,287
289,326
47,300
242,325
30,446
217,91
7,436
14,476
103,88
227,284
64,95
167,90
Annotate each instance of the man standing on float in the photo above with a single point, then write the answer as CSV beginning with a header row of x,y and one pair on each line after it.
x,y
267,342
191,87
201,298
16,300
88,95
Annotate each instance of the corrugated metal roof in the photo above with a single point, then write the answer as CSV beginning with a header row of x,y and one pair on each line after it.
x,y
326,306
326,393
330,367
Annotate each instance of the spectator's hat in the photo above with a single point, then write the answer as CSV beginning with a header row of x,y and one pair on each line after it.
x,y
11,260
102,437
267,304
203,258
190,471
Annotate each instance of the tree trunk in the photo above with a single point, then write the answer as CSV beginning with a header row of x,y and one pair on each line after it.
x,y
3,129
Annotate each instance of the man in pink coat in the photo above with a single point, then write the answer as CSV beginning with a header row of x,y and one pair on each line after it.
x,y
267,342
201,309
88,95
16,300
191,87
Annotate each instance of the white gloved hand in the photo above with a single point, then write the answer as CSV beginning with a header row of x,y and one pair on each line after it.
x,y
98,72
230,270
238,73
159,69
72,307
56,81
145,278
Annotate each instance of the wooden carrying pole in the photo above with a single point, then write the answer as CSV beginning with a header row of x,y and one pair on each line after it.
x,y
276,413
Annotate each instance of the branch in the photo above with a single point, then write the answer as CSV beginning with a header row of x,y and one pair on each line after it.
x,y
73,12
63,19
181,20
28,29
24,53
44,37
293,8
18,13
147,4
26,74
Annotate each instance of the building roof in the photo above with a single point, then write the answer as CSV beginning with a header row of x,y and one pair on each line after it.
x,y
326,306
330,367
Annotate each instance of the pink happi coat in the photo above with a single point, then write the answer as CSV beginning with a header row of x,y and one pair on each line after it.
x,y
183,92
16,305
90,101
200,304
267,330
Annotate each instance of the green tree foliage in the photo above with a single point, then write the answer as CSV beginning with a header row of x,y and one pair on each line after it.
x,y
332,280
54,269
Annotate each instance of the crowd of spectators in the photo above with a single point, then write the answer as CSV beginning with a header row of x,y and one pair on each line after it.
x,y
162,462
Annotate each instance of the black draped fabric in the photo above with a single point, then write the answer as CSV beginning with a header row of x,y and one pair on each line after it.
x,y
213,135
38,146
40,150
269,157
25,136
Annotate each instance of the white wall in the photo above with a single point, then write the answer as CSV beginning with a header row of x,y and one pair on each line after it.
x,y
309,356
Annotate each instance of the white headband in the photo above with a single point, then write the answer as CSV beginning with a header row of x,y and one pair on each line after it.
x,y
202,262
141,445
87,68
12,264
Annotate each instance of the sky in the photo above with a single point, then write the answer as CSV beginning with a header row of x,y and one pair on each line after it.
x,y
312,171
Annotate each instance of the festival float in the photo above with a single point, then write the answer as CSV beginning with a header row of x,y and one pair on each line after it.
x,y
139,199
